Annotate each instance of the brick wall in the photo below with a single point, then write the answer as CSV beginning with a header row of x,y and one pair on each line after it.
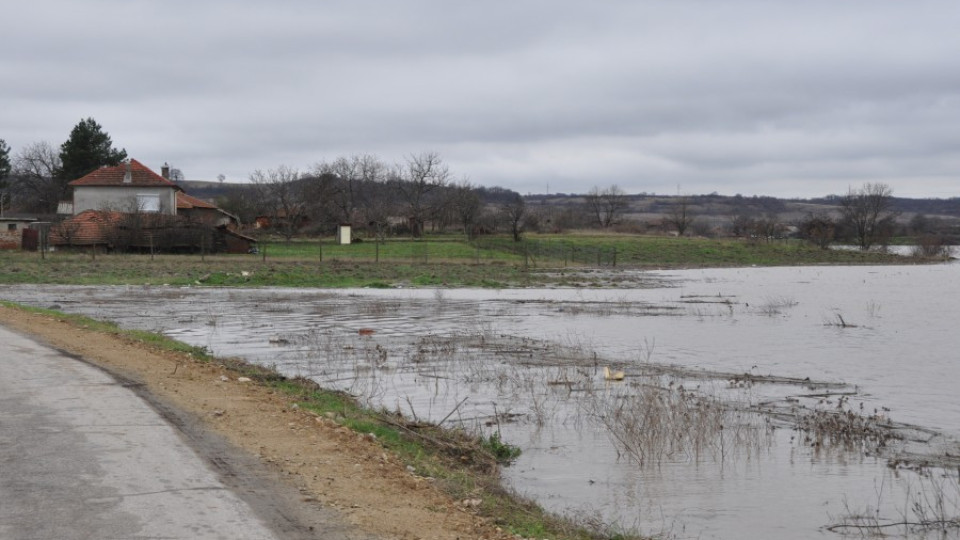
x,y
10,239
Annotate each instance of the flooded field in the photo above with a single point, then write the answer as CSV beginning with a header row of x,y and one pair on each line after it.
x,y
733,403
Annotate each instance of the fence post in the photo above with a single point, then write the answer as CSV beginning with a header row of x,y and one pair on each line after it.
x,y
614,257
376,243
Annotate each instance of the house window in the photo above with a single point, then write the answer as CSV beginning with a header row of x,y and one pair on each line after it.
x,y
148,202
11,226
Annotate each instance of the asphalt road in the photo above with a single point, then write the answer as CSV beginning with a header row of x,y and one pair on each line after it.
x,y
84,455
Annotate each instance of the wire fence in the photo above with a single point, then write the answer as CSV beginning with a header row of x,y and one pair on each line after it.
x,y
526,253
553,253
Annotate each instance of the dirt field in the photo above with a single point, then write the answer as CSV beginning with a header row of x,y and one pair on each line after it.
x,y
331,465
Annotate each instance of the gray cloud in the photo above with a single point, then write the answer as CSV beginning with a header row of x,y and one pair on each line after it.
x,y
742,96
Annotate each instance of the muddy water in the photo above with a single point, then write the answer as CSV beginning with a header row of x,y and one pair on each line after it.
x,y
529,363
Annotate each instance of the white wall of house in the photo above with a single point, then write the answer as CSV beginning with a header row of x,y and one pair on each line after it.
x,y
123,198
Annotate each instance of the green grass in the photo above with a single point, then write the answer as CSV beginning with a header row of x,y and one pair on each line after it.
x,y
246,270
663,251
429,249
150,338
434,261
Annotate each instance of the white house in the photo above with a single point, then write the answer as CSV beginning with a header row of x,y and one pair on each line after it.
x,y
128,187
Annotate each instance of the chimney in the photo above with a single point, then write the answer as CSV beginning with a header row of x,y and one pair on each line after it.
x,y
165,170
127,175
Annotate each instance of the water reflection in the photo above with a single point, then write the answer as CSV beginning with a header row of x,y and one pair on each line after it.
x,y
699,440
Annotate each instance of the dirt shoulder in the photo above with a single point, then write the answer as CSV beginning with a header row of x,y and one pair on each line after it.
x,y
331,466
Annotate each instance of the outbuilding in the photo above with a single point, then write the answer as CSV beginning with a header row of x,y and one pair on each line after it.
x,y
11,230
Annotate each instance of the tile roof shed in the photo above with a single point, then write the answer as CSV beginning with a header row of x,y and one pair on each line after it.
x,y
86,228
187,202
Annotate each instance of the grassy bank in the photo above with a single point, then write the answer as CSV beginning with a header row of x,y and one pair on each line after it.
x,y
631,251
434,261
464,465
580,250
247,270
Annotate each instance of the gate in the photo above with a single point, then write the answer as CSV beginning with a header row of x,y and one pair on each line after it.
x,y
31,239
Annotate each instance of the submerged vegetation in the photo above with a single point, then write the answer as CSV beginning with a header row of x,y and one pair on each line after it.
x,y
466,465
650,425
354,364
931,510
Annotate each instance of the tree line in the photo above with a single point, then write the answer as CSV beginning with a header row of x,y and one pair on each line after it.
x,y
411,197
421,194
361,189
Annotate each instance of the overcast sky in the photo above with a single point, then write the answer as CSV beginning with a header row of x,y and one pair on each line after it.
x,y
791,98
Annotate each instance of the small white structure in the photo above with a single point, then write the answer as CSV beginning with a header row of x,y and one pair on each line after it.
x,y
343,234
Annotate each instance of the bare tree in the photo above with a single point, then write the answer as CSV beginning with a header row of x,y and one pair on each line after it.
x,y
380,204
350,177
594,206
606,205
818,229
680,216
34,181
240,200
514,212
416,180
282,195
317,192
867,211
465,202
67,230
768,227
741,224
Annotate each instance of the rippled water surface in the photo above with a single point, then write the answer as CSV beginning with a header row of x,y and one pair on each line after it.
x,y
768,344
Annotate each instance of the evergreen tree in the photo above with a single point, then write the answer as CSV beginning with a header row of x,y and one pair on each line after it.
x,y
87,149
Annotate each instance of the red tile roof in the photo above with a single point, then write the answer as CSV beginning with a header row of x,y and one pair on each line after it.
x,y
140,175
185,202
86,228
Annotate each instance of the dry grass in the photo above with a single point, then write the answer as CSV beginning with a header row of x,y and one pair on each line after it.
x,y
931,509
650,425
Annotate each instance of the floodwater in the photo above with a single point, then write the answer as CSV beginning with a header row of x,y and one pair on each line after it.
x,y
700,439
